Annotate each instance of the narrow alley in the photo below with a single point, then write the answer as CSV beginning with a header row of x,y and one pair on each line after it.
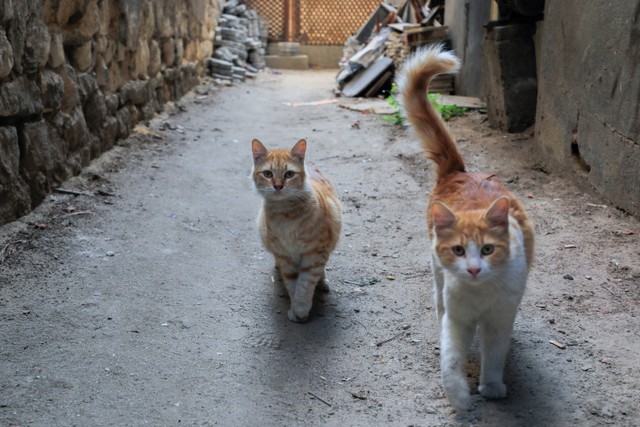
x,y
146,298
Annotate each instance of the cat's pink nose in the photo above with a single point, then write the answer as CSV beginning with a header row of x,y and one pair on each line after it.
x,y
473,271
277,186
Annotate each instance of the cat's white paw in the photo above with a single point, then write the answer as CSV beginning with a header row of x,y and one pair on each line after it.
x,y
460,402
457,392
493,390
299,310
296,318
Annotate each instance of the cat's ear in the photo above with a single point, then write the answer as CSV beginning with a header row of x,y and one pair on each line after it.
x,y
259,150
299,149
498,213
443,217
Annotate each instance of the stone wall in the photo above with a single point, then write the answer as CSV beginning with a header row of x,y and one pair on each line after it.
x,y
76,75
588,114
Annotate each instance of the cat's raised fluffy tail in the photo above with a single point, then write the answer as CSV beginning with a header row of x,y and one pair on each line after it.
x,y
413,82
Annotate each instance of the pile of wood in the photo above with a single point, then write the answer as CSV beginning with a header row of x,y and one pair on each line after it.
x,y
383,43
241,40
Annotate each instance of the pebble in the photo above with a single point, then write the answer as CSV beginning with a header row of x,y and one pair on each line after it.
x,y
110,253
567,277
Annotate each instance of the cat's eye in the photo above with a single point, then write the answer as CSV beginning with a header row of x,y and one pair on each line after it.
x,y
458,250
487,249
289,174
267,174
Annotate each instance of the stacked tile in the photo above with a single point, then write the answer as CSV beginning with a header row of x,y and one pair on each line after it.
x,y
240,45
220,68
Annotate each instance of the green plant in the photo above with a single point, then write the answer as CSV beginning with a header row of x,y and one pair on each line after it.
x,y
446,111
397,118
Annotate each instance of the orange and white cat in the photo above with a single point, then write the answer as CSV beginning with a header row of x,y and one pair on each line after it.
x,y
299,222
482,243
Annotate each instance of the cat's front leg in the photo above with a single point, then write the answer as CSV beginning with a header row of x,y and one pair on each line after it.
x,y
323,283
438,289
277,276
495,337
288,273
455,340
302,300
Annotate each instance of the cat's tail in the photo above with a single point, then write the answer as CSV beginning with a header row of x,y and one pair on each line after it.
x,y
413,82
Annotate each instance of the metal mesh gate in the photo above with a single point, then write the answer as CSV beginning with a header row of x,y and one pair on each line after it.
x,y
330,22
314,22
274,12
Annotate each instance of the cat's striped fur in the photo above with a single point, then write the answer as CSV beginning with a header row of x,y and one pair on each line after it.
x,y
299,222
482,242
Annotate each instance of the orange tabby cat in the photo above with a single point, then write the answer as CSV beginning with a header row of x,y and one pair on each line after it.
x,y
482,243
299,222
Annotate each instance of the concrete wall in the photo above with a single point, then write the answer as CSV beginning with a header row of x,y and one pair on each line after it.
x,y
588,114
319,56
323,56
76,75
466,20
510,79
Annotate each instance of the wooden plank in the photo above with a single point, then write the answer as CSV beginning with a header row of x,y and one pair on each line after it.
x,y
375,88
462,101
431,15
401,27
417,10
365,78
422,35
382,12
442,83
426,29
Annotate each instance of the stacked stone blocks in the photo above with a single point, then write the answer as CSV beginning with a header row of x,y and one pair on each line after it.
x,y
77,75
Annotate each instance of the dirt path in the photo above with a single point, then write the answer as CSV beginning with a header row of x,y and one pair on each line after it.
x,y
152,303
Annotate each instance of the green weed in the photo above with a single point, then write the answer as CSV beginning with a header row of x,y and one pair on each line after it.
x,y
446,111
398,119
